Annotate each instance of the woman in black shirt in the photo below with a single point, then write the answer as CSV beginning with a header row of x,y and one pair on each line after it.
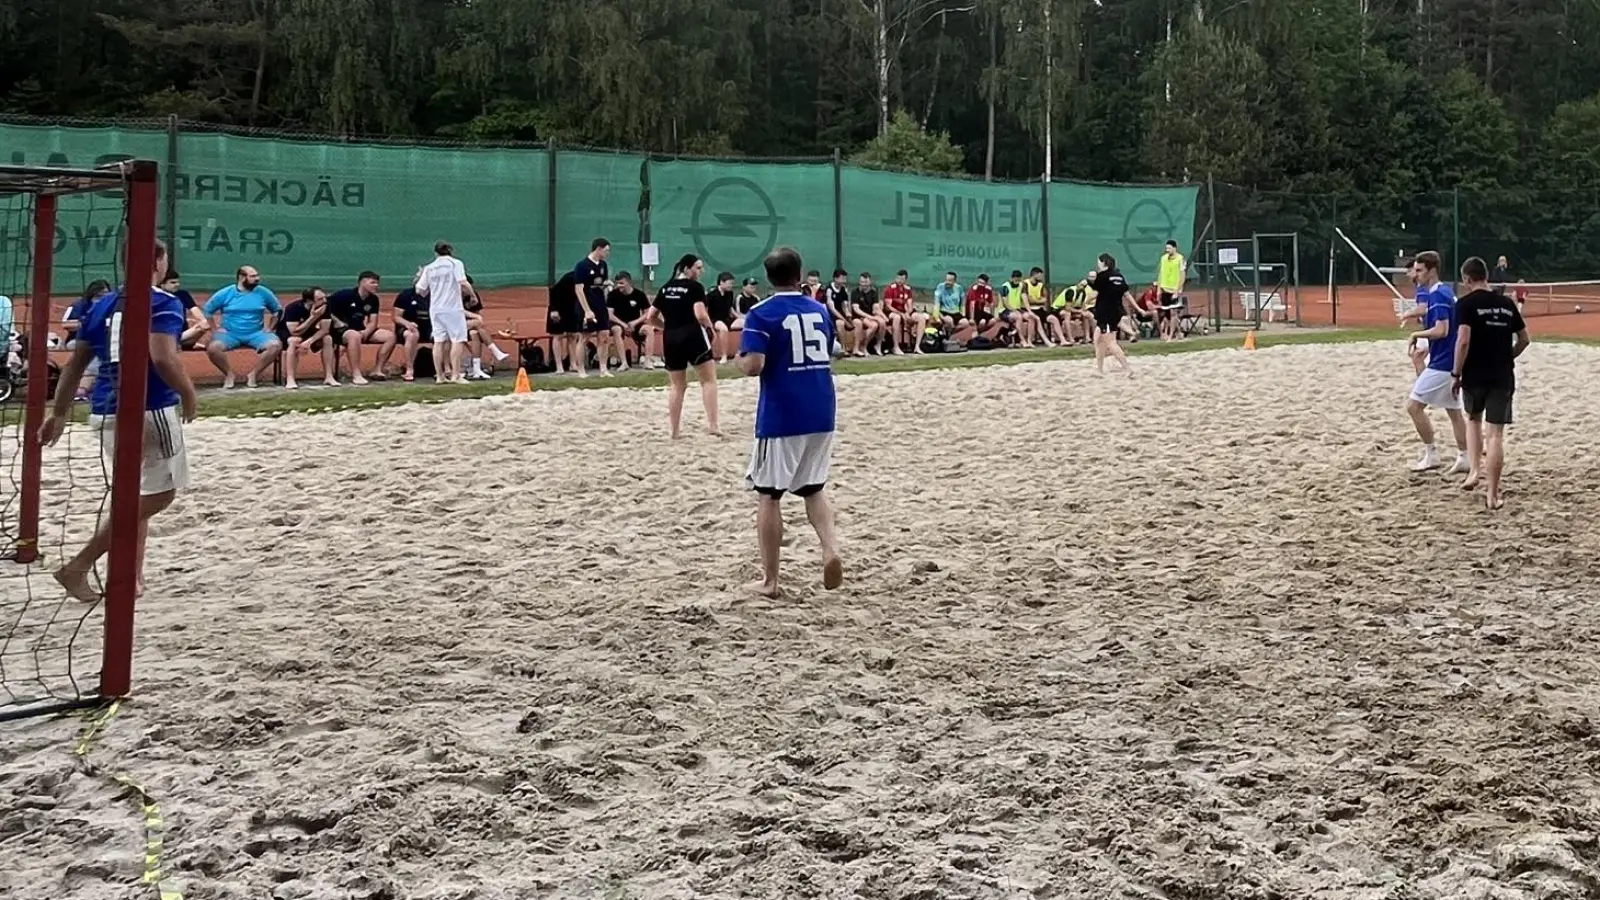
x,y
1111,289
685,324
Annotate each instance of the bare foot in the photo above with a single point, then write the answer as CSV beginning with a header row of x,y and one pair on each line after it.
x,y
358,378
77,585
832,572
331,382
292,385
228,382
1470,482
763,589
250,380
1494,502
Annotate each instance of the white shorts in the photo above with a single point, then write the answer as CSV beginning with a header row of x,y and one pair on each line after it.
x,y
449,325
166,457
1433,388
796,464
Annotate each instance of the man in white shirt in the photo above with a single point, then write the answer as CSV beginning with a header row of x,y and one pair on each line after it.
x,y
443,282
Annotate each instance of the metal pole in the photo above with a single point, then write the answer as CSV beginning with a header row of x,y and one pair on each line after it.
x,y
1296,264
1216,264
38,395
170,224
645,230
1333,266
1455,222
1044,228
1255,268
122,564
838,209
550,214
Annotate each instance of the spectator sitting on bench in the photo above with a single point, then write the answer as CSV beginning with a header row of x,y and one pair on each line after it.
x,y
411,323
478,339
196,330
247,311
630,319
303,328
720,304
72,320
749,296
355,323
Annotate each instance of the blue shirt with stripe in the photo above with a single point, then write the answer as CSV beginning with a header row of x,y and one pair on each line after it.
x,y
102,330
1440,306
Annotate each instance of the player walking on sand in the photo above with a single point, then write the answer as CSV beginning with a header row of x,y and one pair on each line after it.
x,y
1433,384
788,341
1110,290
1491,337
169,402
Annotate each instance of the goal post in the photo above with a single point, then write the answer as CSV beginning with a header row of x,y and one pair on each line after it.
x,y
63,493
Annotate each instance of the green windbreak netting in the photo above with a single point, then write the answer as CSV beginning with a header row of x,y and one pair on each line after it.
x,y
306,213
597,195
87,226
731,215
929,226
1130,223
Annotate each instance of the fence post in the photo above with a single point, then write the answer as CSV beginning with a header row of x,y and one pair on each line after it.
x,y
838,209
1333,264
1455,224
1044,229
550,213
1216,265
170,201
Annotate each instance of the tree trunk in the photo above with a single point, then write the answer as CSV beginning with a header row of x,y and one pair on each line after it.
x,y
938,63
261,78
880,49
994,65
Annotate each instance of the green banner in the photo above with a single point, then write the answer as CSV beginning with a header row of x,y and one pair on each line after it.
x,y
733,215
1130,223
88,226
305,213
597,195
929,226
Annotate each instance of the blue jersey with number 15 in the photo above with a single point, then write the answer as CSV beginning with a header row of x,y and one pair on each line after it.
x,y
795,333
102,330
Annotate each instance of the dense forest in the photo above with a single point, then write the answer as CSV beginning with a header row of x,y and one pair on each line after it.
x,y
1485,112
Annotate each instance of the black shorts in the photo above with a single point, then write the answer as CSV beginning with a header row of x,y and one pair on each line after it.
x,y
635,331
310,344
602,320
1488,404
338,332
983,319
424,334
685,347
1009,316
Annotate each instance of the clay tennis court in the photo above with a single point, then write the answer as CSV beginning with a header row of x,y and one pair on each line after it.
x,y
1195,635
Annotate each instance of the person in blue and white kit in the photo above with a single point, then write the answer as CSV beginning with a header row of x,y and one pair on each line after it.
x,y
169,403
1436,306
789,342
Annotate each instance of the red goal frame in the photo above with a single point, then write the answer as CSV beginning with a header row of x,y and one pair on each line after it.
x,y
139,180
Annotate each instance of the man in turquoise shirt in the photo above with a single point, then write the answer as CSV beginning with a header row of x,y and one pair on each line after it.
x,y
248,313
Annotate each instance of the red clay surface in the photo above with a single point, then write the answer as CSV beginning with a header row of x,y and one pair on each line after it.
x,y
522,310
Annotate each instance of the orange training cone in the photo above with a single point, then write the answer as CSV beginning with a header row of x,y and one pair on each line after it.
x,y
1249,340
522,386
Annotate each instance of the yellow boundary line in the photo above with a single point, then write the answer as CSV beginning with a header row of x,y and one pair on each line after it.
x,y
154,827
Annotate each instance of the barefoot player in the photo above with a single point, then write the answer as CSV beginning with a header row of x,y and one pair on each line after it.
x,y
1433,385
169,402
1491,335
787,342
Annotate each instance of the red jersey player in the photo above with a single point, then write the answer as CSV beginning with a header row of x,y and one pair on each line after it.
x,y
906,324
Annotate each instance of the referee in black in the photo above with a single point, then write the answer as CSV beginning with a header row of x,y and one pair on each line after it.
x,y
1490,337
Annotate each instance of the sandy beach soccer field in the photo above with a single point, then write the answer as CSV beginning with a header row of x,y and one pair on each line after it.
x,y
1199,635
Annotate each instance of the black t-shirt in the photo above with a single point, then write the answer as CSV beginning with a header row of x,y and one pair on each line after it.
x,y
676,302
186,298
1499,278
838,298
412,307
349,307
1494,322
866,298
719,305
296,312
747,302
472,304
628,307
1110,289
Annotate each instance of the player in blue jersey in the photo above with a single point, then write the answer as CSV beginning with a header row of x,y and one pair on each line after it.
x,y
788,341
169,402
1434,386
